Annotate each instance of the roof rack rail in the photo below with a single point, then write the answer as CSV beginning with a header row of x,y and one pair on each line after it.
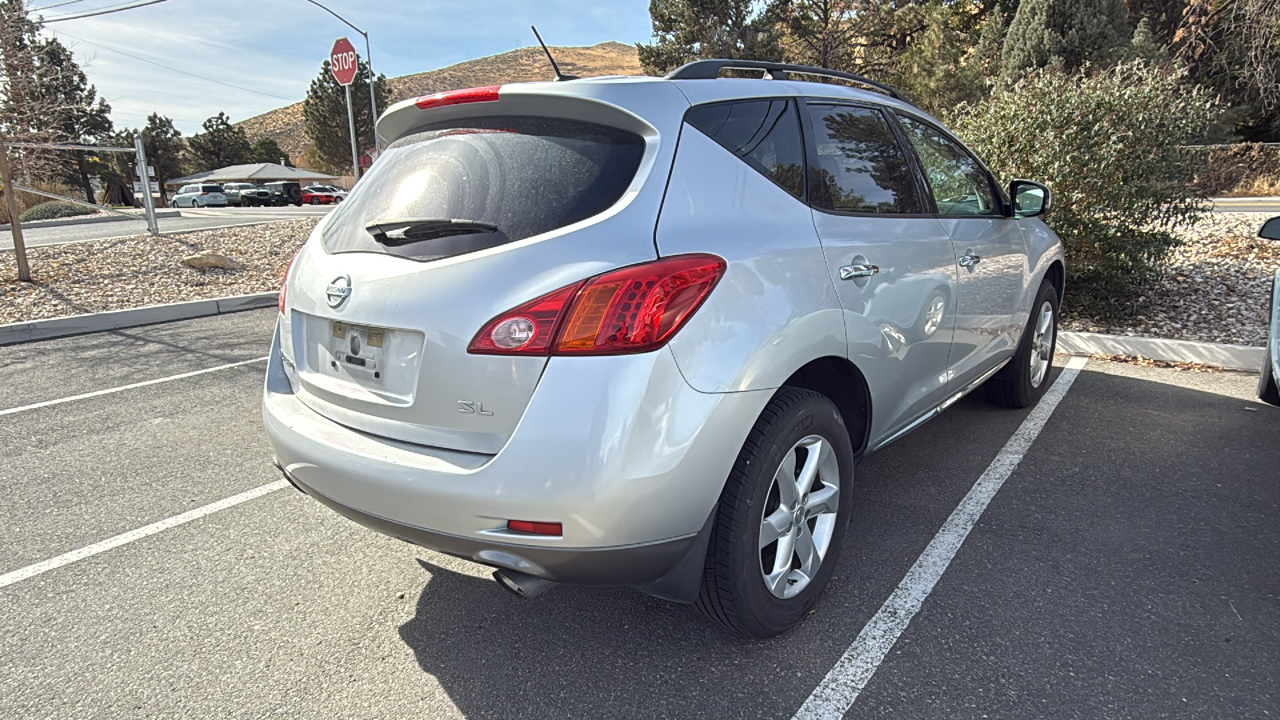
x,y
710,70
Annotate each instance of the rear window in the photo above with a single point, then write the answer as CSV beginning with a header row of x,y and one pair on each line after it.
x,y
508,178
211,188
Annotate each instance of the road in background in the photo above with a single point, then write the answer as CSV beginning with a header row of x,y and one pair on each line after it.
x,y
197,219
1125,569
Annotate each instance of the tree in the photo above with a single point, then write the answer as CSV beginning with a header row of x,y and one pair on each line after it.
x,y
221,144
1072,33
686,30
1145,47
78,115
1108,144
1233,46
164,147
22,109
325,113
821,33
267,150
945,66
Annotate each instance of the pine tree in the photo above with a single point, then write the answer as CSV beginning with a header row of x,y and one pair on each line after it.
x,y
1145,47
221,144
267,150
1072,33
325,113
77,114
686,30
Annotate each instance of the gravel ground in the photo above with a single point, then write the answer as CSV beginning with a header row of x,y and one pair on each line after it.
x,y
141,270
1215,288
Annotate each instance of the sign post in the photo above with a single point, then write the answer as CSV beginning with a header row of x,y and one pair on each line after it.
x,y
343,63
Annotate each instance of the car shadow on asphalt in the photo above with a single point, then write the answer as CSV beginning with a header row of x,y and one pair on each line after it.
x,y
613,652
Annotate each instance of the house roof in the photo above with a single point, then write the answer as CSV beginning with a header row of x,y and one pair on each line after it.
x,y
253,172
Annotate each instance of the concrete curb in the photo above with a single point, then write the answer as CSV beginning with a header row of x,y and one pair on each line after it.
x,y
97,322
1230,357
91,221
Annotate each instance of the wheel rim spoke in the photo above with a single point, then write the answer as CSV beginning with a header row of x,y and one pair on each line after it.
x,y
823,500
786,551
786,479
817,453
807,550
774,527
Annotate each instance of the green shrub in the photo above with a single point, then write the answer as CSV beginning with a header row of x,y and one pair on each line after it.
x,y
1106,144
54,209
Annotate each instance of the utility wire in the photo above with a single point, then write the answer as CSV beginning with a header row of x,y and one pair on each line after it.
x,y
174,69
106,11
50,7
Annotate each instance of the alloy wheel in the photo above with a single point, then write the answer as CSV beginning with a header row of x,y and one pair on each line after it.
x,y
799,517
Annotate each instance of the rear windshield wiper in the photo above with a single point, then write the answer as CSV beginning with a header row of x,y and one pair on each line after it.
x,y
394,233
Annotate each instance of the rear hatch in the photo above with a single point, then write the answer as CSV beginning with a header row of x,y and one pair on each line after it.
x,y
469,213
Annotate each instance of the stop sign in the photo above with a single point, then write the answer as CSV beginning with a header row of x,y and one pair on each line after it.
x,y
342,61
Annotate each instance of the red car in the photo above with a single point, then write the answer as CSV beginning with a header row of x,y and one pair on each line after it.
x,y
316,196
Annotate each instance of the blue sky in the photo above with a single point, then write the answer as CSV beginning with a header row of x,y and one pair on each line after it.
x,y
276,46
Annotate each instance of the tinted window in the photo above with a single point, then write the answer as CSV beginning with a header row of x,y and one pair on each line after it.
x,y
765,134
859,165
523,176
210,188
959,184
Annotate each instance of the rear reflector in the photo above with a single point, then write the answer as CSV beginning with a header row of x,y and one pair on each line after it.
x,y
535,528
458,97
630,310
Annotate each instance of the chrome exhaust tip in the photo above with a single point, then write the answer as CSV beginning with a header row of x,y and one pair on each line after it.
x,y
522,585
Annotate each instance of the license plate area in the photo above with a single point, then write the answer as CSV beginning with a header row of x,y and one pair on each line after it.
x,y
358,348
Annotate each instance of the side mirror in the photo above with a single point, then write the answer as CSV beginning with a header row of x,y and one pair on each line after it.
x,y
1030,199
1270,229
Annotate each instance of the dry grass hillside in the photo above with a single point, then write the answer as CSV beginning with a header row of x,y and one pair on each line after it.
x,y
523,65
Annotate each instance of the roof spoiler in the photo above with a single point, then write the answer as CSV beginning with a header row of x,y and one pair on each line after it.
x,y
710,70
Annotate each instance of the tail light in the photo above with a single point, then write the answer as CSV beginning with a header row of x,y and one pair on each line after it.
x,y
284,284
630,310
458,97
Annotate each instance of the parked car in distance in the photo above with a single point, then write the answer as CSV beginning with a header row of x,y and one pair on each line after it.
x,y
245,194
639,331
1269,375
284,192
312,195
200,195
338,193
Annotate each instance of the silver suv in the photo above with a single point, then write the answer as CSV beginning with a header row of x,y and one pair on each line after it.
x,y
639,331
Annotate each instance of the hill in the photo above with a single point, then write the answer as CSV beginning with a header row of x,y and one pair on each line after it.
x,y
528,64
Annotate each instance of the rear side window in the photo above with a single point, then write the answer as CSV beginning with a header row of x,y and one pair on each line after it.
x,y
210,188
764,134
502,178
858,165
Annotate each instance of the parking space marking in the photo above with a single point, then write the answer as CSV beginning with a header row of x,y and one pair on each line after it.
x,y
840,688
31,571
130,386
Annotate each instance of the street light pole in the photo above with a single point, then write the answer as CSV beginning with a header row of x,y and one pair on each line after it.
x,y
368,59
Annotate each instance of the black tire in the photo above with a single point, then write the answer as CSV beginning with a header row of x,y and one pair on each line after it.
x,y
1268,391
1015,385
733,588
315,201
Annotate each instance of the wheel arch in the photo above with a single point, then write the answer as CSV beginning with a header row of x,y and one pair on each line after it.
x,y
1056,274
844,384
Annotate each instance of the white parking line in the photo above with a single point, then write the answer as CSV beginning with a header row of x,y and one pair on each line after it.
x,y
131,386
31,571
840,688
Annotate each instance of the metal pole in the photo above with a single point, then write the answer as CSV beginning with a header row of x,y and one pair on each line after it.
x,y
11,203
373,101
148,204
351,125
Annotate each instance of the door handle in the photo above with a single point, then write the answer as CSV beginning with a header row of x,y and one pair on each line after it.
x,y
969,259
849,272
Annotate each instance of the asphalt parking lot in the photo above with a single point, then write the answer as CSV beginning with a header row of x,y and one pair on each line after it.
x,y
1127,567
33,235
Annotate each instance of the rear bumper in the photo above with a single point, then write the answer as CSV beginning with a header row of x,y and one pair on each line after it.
x,y
631,565
619,450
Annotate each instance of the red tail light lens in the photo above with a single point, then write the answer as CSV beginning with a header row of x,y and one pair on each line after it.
x,y
284,284
526,330
458,97
630,310
535,528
